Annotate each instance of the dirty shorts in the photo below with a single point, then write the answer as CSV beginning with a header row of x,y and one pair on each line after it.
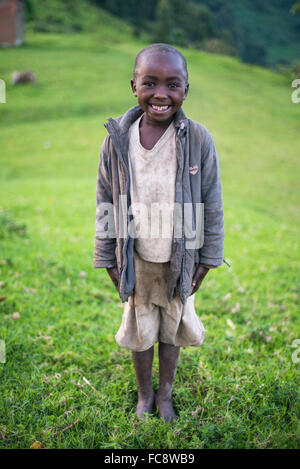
x,y
148,317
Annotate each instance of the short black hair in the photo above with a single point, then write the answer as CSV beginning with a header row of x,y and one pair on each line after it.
x,y
163,48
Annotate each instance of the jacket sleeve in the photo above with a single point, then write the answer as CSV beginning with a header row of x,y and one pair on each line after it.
x,y
105,236
211,252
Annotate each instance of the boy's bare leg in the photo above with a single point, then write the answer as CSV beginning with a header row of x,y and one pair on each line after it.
x,y
143,370
168,358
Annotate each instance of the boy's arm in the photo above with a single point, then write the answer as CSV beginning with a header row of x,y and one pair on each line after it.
x,y
211,253
105,237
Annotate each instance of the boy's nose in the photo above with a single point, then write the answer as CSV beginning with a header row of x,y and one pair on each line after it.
x,y
160,93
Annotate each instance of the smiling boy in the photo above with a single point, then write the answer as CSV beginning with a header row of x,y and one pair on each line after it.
x,y
155,156
161,86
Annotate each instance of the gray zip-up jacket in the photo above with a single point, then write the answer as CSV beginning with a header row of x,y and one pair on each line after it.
x,y
197,181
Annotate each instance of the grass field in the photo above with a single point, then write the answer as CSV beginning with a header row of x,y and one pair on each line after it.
x,y
241,388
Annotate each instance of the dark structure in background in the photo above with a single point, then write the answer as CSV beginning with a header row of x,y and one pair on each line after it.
x,y
11,22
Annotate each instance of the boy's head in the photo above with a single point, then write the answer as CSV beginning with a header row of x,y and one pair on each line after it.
x,y
160,82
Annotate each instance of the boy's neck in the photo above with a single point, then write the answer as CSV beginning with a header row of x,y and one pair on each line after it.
x,y
151,132
154,125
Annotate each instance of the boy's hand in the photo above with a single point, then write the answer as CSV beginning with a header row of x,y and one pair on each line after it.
x,y
114,275
199,275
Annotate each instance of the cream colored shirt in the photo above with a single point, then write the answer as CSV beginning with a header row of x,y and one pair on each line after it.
x,y
152,191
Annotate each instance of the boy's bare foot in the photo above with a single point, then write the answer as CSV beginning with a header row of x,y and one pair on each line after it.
x,y
145,405
165,408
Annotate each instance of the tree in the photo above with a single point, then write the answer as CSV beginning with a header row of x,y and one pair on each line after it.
x,y
295,8
182,22
254,53
164,24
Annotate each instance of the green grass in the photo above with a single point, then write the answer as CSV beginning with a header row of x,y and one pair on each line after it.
x,y
240,389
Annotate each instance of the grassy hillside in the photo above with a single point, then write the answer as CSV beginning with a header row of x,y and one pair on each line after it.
x,y
71,16
260,32
241,388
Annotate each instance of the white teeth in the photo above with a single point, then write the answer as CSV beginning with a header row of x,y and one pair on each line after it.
x,y
159,108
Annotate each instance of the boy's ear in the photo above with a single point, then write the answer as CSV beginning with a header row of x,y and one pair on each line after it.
x,y
187,86
133,86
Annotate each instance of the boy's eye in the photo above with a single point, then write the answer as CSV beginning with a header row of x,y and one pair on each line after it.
x,y
173,85
149,83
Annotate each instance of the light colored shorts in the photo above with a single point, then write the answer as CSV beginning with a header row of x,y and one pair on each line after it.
x,y
148,317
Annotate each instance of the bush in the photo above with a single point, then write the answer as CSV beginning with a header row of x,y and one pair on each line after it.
x,y
182,23
296,70
254,53
217,46
9,227
289,71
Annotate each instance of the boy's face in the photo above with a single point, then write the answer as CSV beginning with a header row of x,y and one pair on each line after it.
x,y
160,86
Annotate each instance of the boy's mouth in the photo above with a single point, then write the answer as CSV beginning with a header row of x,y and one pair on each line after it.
x,y
158,108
